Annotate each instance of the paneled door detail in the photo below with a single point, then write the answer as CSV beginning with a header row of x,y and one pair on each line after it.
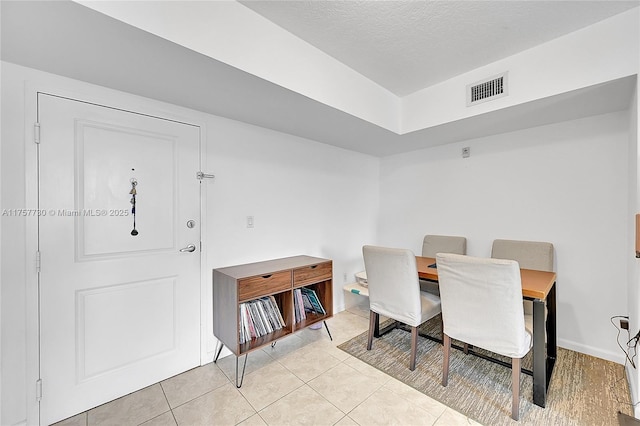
x,y
118,311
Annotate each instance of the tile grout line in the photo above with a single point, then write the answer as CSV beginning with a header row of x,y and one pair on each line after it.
x,y
304,382
347,414
192,399
277,360
168,405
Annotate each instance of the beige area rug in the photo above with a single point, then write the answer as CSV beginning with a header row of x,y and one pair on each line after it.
x,y
584,390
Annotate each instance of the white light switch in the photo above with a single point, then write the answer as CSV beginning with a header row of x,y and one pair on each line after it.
x,y
249,221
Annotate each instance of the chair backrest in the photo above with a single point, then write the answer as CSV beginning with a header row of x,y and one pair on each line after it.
x,y
482,303
433,244
529,254
394,289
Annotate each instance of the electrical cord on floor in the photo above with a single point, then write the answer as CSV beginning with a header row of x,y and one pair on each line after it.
x,y
631,345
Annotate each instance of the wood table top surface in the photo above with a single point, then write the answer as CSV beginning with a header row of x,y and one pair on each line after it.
x,y
535,284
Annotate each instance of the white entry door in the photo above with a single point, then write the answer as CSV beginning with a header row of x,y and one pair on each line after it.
x,y
118,312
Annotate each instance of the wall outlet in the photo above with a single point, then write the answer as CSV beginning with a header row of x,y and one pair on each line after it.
x,y
624,324
466,152
344,277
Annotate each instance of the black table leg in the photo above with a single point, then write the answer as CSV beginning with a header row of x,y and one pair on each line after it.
x,y
378,332
552,339
544,345
539,354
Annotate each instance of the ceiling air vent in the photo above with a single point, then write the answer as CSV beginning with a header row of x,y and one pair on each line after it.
x,y
487,90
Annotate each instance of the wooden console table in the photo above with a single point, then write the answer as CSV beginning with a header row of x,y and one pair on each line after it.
x,y
238,284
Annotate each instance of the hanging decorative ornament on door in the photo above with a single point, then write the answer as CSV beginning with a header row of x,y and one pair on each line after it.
x,y
133,193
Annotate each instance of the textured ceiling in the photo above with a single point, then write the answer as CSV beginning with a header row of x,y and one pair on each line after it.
x,y
71,40
406,46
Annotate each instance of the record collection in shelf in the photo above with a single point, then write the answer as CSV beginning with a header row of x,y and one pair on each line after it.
x,y
259,317
262,316
306,300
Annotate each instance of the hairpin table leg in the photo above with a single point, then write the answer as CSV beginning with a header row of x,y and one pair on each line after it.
x,y
219,347
328,332
243,367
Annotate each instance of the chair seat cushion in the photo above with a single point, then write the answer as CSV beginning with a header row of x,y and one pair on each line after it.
x,y
430,305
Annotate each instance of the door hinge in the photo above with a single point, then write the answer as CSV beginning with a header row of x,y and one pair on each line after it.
x,y
39,389
36,133
202,175
38,261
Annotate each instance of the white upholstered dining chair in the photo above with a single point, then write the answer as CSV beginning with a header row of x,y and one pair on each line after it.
x,y
482,306
434,244
529,254
394,291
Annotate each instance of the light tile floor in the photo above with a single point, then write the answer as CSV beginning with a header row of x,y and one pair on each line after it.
x,y
303,380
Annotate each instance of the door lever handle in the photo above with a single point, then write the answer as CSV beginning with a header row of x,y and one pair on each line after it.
x,y
189,248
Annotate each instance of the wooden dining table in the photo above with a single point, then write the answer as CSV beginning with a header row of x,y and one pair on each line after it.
x,y
540,288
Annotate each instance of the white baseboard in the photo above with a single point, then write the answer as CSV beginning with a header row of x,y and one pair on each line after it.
x,y
616,357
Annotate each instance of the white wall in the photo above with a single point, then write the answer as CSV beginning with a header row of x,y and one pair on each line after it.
x,y
565,183
1,363
12,279
633,373
306,197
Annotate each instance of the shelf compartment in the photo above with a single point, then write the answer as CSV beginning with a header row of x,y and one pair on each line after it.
x,y
312,318
263,340
323,291
283,303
